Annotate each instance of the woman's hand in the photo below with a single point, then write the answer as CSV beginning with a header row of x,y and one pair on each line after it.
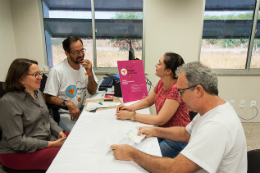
x,y
61,135
121,107
56,144
123,115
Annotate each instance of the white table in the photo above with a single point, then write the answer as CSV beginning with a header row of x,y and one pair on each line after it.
x,y
87,150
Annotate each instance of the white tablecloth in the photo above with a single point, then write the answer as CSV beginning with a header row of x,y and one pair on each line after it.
x,y
87,150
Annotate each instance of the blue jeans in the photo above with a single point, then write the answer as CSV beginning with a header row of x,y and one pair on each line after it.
x,y
171,148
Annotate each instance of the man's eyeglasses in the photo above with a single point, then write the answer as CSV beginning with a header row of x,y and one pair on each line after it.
x,y
77,52
37,74
180,91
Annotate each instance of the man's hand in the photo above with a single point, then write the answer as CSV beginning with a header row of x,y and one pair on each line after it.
x,y
62,135
123,115
122,152
148,131
87,65
56,144
74,110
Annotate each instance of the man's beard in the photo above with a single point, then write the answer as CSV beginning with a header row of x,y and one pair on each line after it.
x,y
77,60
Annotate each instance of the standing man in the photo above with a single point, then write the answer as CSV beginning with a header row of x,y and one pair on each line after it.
x,y
68,81
216,137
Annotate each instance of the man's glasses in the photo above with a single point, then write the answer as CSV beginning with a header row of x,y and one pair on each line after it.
x,y
77,52
180,91
37,74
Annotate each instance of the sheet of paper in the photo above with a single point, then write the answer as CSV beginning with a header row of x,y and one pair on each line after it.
x,y
142,111
132,134
94,105
116,136
110,91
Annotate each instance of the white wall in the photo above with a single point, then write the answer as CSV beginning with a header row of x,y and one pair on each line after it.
x,y
7,43
171,26
28,30
241,88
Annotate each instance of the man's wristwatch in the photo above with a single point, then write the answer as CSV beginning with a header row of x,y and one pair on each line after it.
x,y
133,117
64,103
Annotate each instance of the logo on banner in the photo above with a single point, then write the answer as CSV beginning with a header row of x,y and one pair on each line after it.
x,y
123,71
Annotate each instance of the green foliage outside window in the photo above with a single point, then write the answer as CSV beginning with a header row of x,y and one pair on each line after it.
x,y
128,15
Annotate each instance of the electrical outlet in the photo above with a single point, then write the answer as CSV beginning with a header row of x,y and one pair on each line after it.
x,y
252,104
242,103
232,102
46,68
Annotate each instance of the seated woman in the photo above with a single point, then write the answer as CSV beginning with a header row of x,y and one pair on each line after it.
x,y
30,137
171,111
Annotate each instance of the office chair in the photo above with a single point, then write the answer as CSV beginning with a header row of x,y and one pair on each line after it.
x,y
253,161
53,109
192,115
2,92
6,169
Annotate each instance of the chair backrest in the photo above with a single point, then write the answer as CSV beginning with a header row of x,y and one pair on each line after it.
x,y
253,160
43,82
192,115
2,92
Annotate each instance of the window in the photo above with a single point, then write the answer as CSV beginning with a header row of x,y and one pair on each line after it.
x,y
118,26
255,60
227,34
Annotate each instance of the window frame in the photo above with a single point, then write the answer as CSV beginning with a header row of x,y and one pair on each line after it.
x,y
247,70
100,70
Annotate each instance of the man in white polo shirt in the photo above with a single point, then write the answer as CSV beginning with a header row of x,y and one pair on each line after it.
x,y
69,80
216,137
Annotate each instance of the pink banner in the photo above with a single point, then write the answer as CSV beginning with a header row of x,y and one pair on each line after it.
x,y
132,80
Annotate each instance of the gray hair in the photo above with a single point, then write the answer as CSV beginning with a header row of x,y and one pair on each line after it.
x,y
199,74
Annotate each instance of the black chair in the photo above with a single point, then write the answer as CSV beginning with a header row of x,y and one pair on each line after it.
x,y
2,92
192,115
6,169
53,109
253,161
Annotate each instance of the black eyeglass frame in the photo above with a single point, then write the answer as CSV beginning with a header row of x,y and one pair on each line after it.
x,y
184,89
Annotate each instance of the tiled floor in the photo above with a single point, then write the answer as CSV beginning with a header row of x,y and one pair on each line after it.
x,y
252,131
1,170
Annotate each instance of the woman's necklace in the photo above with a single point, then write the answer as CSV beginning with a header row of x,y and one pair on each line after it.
x,y
165,89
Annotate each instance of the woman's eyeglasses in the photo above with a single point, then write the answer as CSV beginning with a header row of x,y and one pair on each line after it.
x,y
37,74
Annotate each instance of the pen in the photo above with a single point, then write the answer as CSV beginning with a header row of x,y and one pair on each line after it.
x,y
100,102
111,150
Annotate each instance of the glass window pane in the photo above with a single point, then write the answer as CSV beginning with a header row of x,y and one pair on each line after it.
x,y
119,34
255,59
118,23
109,51
70,14
226,33
60,22
59,54
224,53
